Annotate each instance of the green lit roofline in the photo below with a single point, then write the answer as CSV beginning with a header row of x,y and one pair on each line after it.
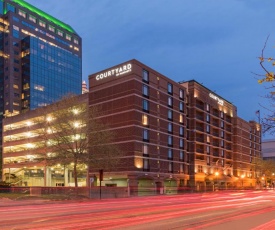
x,y
44,15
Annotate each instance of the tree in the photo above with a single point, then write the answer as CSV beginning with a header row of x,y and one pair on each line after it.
x,y
264,169
267,63
72,135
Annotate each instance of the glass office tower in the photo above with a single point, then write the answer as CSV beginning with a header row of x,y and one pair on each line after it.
x,y
40,59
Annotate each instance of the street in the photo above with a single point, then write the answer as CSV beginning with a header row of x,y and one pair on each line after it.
x,y
219,210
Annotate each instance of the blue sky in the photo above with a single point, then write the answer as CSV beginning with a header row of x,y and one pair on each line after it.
x,y
215,42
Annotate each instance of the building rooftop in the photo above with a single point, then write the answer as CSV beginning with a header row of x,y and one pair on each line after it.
x,y
44,15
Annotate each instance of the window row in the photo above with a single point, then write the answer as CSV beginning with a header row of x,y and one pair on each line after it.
x,y
145,78
50,27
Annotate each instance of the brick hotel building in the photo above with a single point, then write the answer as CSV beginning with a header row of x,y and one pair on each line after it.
x,y
172,135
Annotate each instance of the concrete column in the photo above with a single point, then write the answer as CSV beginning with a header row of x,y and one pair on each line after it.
x,y
66,177
70,180
48,176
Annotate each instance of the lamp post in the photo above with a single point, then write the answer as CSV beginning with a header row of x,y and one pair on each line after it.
x,y
263,179
273,182
242,176
216,177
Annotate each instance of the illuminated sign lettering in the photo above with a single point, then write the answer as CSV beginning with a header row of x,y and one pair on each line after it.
x,y
220,101
115,72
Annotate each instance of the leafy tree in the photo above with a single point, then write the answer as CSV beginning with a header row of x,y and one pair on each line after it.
x,y
264,168
73,136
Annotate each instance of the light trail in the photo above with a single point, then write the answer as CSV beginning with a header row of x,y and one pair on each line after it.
x,y
179,211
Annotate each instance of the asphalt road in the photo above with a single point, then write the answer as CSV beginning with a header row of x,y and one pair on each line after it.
x,y
239,210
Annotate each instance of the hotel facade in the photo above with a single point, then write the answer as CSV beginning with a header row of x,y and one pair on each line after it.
x,y
173,136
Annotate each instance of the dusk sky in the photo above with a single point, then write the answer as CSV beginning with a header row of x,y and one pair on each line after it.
x,y
215,42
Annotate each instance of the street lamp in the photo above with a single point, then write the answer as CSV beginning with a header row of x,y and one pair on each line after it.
x,y
242,176
216,176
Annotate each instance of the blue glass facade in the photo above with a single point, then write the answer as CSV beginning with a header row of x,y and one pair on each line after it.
x,y
49,73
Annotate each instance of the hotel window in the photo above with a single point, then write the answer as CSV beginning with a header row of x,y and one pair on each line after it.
x,y
68,37
145,75
181,118
170,101
181,143
41,23
170,140
145,163
222,163
181,131
181,156
170,167
222,134
208,160
76,41
208,149
208,139
22,13
145,105
145,135
222,143
145,119
207,107
181,106
222,153
207,118
170,127
170,88
145,90
170,114
145,149
222,124
51,28
207,128
60,33
200,168
221,114
32,18
181,94
181,168
170,154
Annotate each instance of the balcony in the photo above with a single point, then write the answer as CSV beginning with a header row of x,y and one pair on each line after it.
x,y
199,150
228,156
200,128
216,113
200,106
216,134
200,157
200,139
216,154
216,144
228,119
228,147
228,129
215,124
199,117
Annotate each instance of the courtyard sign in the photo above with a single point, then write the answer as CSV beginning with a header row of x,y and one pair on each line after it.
x,y
220,101
115,72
